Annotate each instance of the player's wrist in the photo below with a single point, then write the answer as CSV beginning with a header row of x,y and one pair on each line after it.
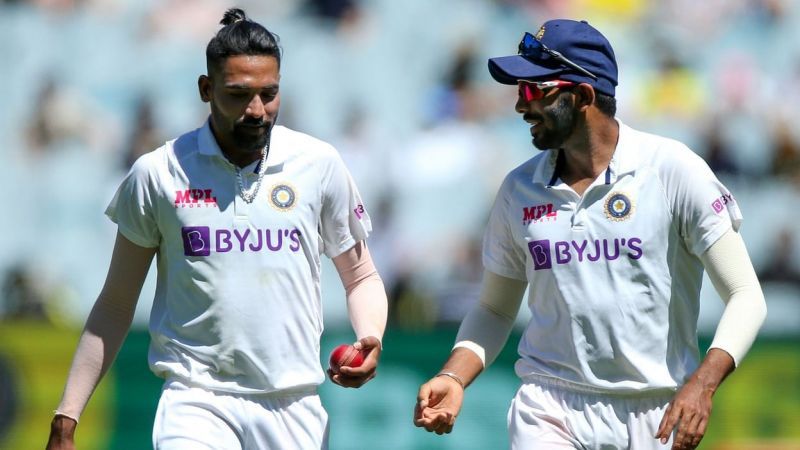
x,y
63,426
453,377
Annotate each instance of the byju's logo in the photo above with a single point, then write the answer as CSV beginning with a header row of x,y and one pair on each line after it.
x,y
191,198
719,204
538,213
199,241
196,241
564,252
359,210
540,252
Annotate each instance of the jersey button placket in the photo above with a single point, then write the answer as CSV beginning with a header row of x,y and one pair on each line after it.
x,y
579,218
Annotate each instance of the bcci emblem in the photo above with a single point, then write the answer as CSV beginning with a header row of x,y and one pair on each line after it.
x,y
283,197
618,207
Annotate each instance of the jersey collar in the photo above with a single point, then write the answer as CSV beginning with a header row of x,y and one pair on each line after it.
x,y
207,143
626,156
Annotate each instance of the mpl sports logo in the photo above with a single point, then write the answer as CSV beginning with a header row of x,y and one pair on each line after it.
x,y
538,213
720,203
201,241
195,198
564,252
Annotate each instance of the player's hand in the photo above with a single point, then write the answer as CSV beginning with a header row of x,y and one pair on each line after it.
x,y
438,404
62,432
688,415
355,377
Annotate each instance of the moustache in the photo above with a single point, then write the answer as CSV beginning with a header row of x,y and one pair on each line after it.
x,y
253,124
531,117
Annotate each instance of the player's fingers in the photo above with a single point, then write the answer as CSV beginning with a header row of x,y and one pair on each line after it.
x,y
350,382
667,424
690,429
420,422
423,422
369,376
356,381
444,424
362,371
701,431
333,377
452,421
679,443
345,380
417,414
426,418
685,432
432,423
370,348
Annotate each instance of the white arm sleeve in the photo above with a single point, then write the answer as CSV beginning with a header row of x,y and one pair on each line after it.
x,y
486,327
100,341
367,305
730,270
107,325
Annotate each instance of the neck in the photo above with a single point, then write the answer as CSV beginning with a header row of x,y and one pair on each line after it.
x,y
589,152
243,159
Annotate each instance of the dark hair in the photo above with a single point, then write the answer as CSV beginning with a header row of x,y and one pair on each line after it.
x,y
241,36
606,104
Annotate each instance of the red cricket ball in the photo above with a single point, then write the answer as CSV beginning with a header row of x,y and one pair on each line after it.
x,y
345,355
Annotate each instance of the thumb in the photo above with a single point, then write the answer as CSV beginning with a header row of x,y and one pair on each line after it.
x,y
423,395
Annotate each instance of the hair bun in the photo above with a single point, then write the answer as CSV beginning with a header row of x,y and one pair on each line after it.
x,y
232,16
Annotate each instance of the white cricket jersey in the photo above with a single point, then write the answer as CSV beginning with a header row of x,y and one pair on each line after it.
x,y
614,274
237,305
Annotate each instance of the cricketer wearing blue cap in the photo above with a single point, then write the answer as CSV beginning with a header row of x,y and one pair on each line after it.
x,y
570,50
609,229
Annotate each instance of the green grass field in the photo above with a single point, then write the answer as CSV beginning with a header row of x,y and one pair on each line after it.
x,y
757,408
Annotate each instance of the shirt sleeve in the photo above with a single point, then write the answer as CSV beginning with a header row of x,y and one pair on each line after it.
x,y
501,254
344,219
702,206
132,207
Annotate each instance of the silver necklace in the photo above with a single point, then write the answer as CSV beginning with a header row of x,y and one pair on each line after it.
x,y
248,197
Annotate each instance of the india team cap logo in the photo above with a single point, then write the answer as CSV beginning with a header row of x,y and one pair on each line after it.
x,y
618,207
283,197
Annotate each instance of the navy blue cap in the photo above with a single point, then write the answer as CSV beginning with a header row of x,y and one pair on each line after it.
x,y
578,42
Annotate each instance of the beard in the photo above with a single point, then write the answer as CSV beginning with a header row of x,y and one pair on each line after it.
x,y
248,135
562,116
251,137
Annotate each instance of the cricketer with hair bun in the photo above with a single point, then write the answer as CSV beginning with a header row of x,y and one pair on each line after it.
x,y
237,214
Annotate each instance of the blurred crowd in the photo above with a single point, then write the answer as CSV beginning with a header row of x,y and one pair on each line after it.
x,y
401,89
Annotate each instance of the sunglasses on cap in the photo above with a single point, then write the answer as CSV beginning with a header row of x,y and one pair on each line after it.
x,y
532,48
534,90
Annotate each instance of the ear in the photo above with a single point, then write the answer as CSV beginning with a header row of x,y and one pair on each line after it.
x,y
204,87
585,95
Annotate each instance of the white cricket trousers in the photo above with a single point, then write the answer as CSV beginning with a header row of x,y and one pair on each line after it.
x,y
550,414
191,418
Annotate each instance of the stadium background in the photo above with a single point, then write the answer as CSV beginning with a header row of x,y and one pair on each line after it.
x,y
400,87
